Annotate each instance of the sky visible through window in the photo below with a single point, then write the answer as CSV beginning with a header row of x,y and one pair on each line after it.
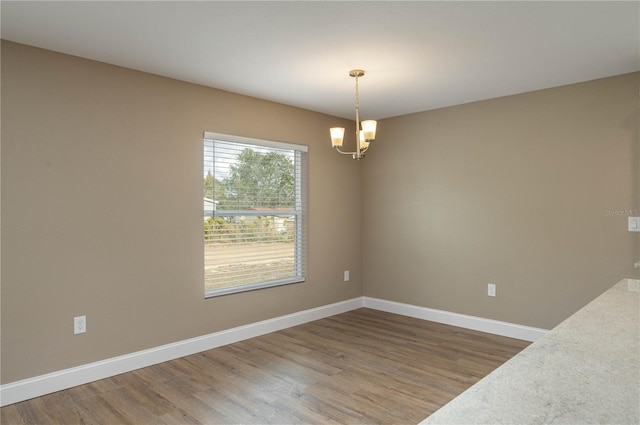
x,y
225,161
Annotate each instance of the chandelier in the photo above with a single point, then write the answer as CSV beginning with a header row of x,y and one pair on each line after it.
x,y
365,130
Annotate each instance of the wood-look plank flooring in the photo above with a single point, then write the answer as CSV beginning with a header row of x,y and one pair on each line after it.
x,y
360,367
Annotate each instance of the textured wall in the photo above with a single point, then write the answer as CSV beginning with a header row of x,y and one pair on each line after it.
x,y
101,207
102,210
529,192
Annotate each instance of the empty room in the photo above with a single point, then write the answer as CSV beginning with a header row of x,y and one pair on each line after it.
x,y
309,212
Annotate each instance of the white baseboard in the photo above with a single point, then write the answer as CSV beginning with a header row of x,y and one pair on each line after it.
x,y
60,380
495,327
68,378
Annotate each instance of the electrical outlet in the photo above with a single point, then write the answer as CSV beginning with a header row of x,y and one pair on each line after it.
x,y
346,275
79,325
491,289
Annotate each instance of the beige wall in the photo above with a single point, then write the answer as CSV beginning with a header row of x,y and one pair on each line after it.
x,y
529,192
102,210
101,207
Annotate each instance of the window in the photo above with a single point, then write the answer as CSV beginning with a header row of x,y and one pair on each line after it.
x,y
254,214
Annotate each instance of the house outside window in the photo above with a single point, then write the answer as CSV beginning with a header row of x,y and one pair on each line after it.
x,y
254,208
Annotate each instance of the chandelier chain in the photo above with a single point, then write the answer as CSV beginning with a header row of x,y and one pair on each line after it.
x,y
357,95
357,114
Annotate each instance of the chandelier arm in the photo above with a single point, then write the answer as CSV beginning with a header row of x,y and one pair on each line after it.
x,y
344,153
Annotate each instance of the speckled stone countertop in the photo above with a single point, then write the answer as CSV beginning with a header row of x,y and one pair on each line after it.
x,y
584,371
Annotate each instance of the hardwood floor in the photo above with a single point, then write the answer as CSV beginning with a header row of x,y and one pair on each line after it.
x,y
360,367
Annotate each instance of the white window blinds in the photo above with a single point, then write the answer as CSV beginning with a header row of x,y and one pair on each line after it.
x,y
254,214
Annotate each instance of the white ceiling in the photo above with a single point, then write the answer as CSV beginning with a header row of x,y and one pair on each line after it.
x,y
418,55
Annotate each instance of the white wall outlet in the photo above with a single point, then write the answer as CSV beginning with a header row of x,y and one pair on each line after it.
x,y
79,325
346,275
634,224
491,289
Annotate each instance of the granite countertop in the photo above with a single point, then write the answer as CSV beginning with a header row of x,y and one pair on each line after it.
x,y
586,370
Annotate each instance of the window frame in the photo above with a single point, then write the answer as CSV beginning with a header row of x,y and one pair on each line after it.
x,y
299,210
